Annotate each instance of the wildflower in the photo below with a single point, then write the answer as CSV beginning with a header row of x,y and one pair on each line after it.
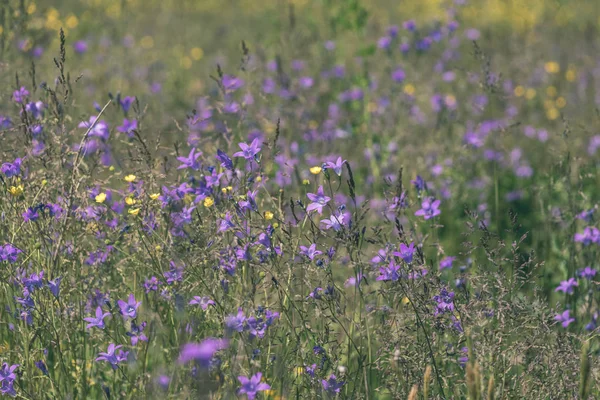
x,y
130,178
335,221
16,190
225,160
203,302
445,302
310,252
332,386
567,286
31,214
446,263
236,322
249,152
202,352
419,184
590,235
7,378
251,386
154,196
11,169
42,367
20,95
129,308
128,126
316,170
268,215
226,223
208,202
389,273
126,103
319,200
151,285
54,286
111,357
336,166
564,318
191,161
406,252
587,272
9,253
429,208
130,201
100,198
98,320
134,211
136,333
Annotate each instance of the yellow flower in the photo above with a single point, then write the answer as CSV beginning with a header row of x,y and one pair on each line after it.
x,y
316,170
530,93
100,198
130,178
405,300
229,188
208,202
259,179
16,190
409,89
134,211
571,75
268,215
111,168
44,182
552,67
154,196
519,91
158,248
275,225
561,102
299,371
129,201
306,182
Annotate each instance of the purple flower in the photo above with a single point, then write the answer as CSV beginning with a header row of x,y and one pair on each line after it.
x,y
232,83
446,263
406,252
564,318
225,160
30,214
384,42
332,386
80,46
226,223
310,252
398,75
252,385
250,151
191,161
319,200
111,357
137,333
126,103
203,302
98,129
202,352
589,235
128,126
335,221
129,309
567,286
98,320
235,322
389,273
445,302
151,284
9,253
54,286
419,183
11,169
429,208
20,95
587,272
336,166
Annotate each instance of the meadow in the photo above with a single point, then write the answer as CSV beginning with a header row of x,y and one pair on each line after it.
x,y
299,199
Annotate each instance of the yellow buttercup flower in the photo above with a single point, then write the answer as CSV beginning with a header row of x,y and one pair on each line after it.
x,y
306,182
130,178
405,300
134,211
129,201
316,170
208,202
16,190
100,198
154,196
268,215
